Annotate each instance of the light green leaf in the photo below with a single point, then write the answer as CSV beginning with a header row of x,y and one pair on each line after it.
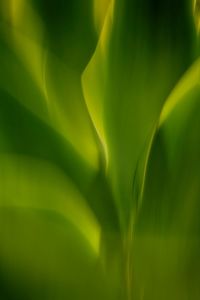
x,y
144,49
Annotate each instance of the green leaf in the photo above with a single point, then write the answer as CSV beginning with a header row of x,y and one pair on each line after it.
x,y
144,49
166,236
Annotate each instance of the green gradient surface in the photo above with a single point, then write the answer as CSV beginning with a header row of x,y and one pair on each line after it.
x,y
99,150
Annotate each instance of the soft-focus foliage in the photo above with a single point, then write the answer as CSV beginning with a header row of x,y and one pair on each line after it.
x,y
99,149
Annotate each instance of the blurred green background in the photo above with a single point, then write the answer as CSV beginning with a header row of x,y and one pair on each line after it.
x,y
99,150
